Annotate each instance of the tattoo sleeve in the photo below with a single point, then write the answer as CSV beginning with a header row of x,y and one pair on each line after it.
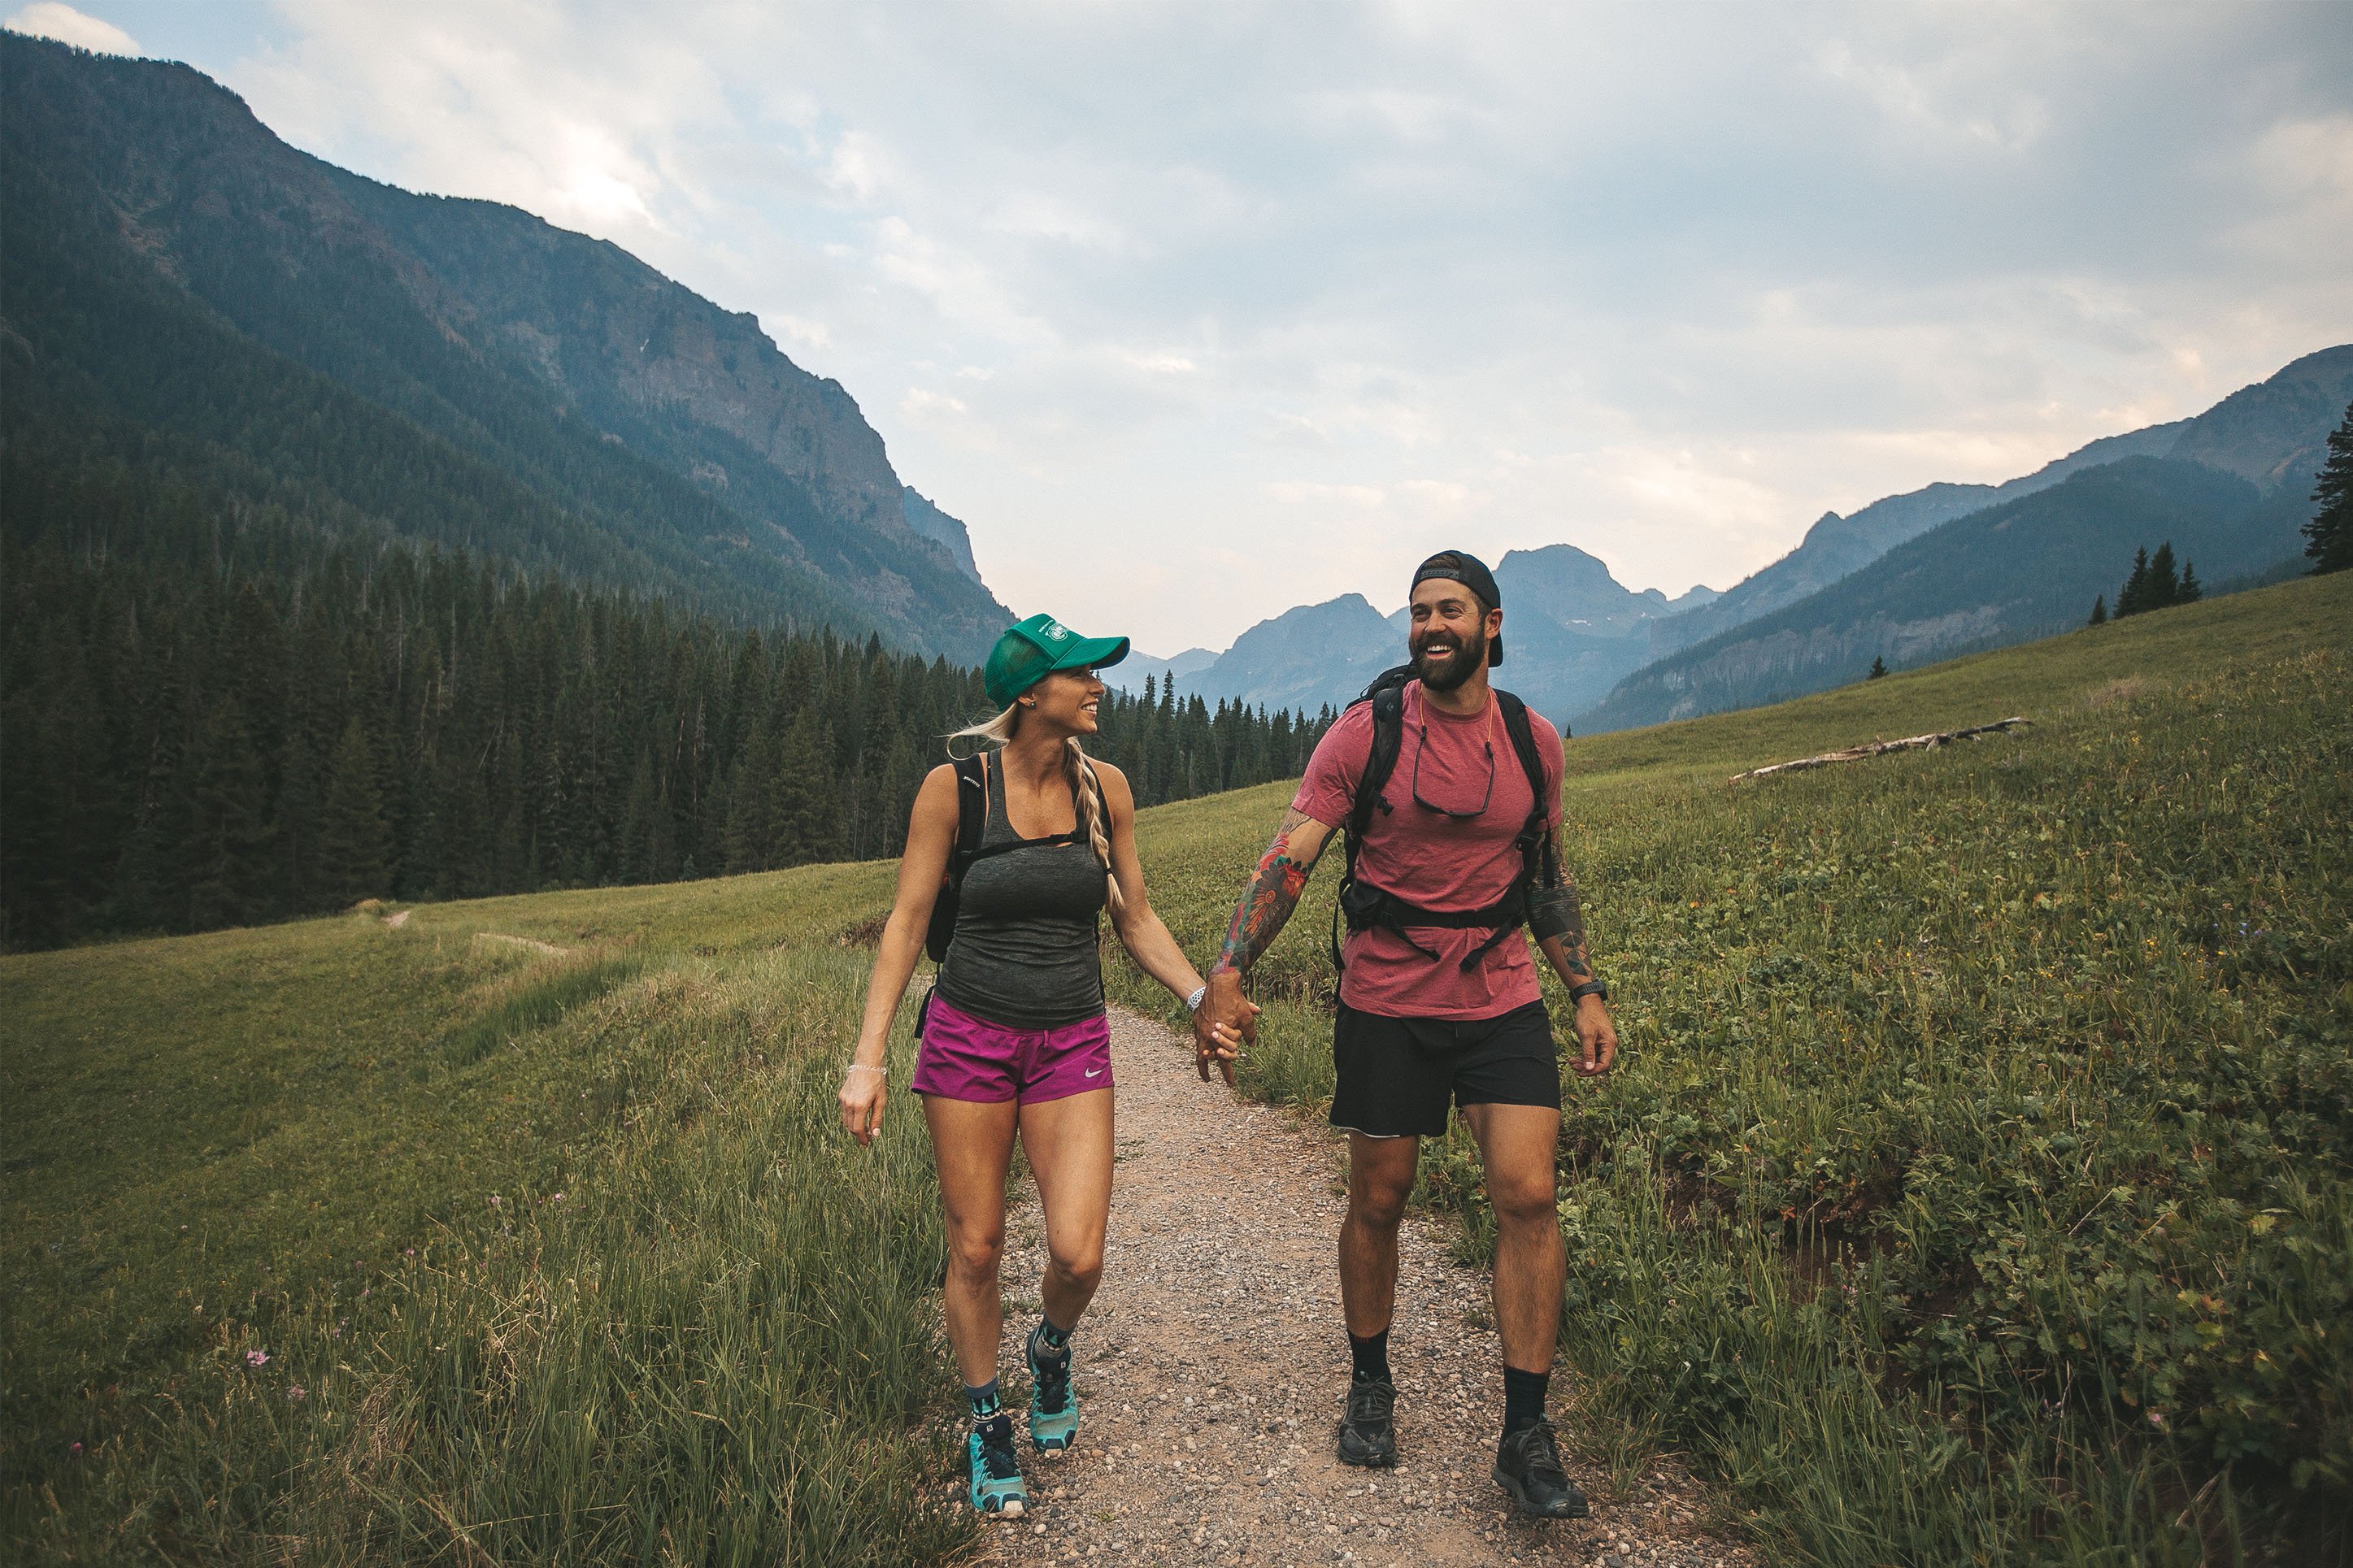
x,y
1267,904
1556,920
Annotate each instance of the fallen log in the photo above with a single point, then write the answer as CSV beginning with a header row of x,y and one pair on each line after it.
x,y
1881,748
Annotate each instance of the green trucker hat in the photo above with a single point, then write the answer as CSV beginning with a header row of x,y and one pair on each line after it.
x,y
1031,650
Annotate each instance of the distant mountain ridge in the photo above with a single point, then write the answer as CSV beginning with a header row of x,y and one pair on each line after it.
x,y
182,287
1570,630
2262,433
1582,648
1837,545
2231,492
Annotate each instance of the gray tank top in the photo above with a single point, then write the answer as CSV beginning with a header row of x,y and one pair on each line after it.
x,y
1024,953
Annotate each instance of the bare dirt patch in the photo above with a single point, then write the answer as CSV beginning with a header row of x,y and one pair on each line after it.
x,y
1211,1367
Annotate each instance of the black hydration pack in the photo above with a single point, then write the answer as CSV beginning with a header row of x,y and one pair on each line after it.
x,y
1365,907
972,821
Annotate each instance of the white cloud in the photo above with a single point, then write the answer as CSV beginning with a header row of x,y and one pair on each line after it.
x,y
49,19
1240,307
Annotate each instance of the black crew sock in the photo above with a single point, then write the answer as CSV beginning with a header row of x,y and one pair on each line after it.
x,y
1371,1358
982,1400
1524,1398
1046,1340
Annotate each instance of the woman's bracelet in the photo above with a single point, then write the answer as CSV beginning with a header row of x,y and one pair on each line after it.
x,y
1193,1002
862,1067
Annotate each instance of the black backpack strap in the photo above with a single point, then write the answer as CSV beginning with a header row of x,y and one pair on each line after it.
x,y
972,811
1387,695
1536,844
972,821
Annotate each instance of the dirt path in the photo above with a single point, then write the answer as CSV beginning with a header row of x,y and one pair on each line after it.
x,y
1211,1366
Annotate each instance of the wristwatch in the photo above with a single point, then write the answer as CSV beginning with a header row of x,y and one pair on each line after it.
x,y
1590,988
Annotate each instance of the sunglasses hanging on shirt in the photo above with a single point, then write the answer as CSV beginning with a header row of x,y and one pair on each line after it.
x,y
1451,813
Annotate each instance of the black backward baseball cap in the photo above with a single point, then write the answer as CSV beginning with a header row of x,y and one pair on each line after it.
x,y
1461,567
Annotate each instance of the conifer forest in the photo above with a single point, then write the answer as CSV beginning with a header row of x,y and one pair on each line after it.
x,y
219,714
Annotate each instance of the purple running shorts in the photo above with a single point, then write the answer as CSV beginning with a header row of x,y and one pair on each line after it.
x,y
965,1058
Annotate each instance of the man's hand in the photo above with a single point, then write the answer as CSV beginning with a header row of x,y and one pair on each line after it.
x,y
1226,1021
1597,1035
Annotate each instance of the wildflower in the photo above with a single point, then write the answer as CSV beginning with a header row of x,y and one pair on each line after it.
x,y
2157,1419
494,1200
75,1449
257,1358
294,1391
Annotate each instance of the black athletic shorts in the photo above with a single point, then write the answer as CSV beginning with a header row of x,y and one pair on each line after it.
x,y
1398,1077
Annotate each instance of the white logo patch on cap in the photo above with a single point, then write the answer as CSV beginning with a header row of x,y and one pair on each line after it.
x,y
1056,632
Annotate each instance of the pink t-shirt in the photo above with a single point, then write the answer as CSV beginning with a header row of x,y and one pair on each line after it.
x,y
1434,860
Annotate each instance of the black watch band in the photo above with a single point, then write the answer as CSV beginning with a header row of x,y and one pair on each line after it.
x,y
1590,988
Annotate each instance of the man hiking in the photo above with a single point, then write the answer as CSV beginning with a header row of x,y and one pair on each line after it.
x,y
1449,792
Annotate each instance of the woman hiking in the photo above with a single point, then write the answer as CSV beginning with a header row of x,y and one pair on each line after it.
x,y
1015,1039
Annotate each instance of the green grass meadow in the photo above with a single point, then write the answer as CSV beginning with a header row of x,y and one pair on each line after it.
x,y
1976,1187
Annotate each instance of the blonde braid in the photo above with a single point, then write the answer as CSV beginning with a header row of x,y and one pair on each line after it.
x,y
1088,790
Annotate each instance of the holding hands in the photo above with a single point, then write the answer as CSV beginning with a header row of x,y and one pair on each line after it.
x,y
1223,1024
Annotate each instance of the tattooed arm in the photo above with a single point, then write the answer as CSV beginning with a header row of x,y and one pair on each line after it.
x,y
1273,892
1228,1019
1558,925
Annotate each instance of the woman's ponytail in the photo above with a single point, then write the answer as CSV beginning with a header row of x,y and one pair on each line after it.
x,y
1088,789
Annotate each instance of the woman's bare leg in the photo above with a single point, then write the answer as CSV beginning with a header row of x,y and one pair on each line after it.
x,y
1068,1142
972,1142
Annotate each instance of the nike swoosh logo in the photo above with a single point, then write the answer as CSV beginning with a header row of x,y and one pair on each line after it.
x,y
1097,1073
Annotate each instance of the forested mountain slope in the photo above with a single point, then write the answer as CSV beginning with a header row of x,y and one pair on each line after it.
x,y
181,290
218,716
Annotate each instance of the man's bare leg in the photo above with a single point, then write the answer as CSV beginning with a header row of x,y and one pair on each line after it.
x,y
1518,1146
1381,1178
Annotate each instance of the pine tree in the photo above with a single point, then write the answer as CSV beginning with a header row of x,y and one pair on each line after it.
x,y
805,803
2191,590
2133,598
1878,669
2328,537
227,848
2164,587
355,843
296,819
2099,611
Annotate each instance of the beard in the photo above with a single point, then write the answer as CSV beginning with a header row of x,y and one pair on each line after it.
x,y
1445,672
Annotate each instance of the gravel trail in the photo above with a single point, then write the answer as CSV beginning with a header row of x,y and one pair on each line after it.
x,y
1211,1365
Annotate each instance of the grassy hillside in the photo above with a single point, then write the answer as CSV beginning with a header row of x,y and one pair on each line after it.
x,y
1975,1186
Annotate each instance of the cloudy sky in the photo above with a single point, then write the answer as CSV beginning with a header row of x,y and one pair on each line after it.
x,y
1195,312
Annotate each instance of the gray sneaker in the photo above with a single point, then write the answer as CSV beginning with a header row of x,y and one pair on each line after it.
x,y
1367,1435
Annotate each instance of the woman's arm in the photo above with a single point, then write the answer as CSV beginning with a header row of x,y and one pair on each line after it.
x,y
1141,931
931,835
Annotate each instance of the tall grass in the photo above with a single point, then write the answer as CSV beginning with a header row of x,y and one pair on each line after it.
x,y
704,1333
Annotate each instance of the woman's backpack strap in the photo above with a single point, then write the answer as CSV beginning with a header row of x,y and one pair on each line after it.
x,y
972,821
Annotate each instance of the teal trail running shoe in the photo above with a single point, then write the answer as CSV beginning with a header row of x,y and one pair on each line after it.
x,y
996,1486
1053,1405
